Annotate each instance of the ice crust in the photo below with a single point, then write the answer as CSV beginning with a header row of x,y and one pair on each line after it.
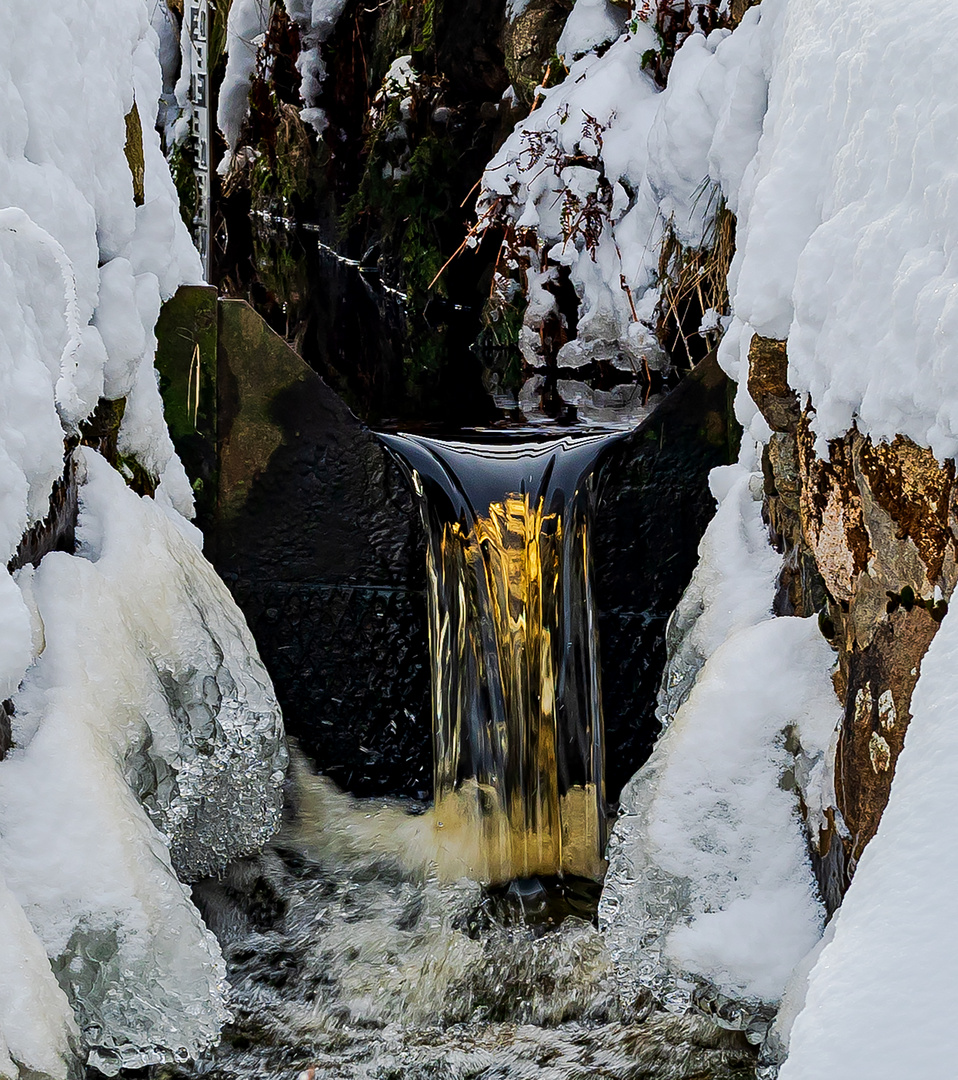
x,y
77,849
139,701
146,729
209,766
37,1027
710,888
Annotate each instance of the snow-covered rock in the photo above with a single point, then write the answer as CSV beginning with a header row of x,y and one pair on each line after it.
x,y
879,1000
709,878
138,699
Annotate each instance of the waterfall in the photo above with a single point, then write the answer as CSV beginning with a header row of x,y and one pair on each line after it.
x,y
517,710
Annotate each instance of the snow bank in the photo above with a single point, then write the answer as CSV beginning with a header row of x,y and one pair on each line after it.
x,y
828,130
146,722
709,877
880,998
67,223
848,241
140,706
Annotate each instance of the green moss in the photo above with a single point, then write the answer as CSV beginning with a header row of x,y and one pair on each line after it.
x,y
186,361
405,196
427,31
288,168
184,179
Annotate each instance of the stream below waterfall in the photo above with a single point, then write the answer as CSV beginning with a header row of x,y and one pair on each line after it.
x,y
349,959
352,951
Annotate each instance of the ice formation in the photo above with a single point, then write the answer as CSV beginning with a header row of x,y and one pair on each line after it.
x,y
247,23
37,1028
245,27
137,695
709,878
203,748
77,849
316,20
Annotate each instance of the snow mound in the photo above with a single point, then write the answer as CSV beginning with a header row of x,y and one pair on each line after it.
x,y
147,723
848,241
709,877
139,703
880,996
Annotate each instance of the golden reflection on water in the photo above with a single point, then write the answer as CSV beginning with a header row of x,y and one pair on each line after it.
x,y
499,593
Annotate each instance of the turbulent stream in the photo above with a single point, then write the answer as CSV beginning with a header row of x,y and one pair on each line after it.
x,y
357,945
349,958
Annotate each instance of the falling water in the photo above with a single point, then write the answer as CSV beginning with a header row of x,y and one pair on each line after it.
x,y
363,944
517,713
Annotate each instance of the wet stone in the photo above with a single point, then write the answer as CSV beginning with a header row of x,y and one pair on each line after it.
x,y
768,383
319,539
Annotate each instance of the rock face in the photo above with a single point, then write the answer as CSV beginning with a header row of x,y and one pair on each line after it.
x,y
388,183
529,41
317,536
869,541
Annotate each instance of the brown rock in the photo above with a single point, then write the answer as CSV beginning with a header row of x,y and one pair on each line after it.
x,y
529,43
881,680
768,383
738,8
868,536
831,514
915,491
6,735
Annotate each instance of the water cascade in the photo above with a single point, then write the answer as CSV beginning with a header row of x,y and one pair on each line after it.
x,y
517,712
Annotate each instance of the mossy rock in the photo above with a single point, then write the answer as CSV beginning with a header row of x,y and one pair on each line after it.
x,y
529,43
